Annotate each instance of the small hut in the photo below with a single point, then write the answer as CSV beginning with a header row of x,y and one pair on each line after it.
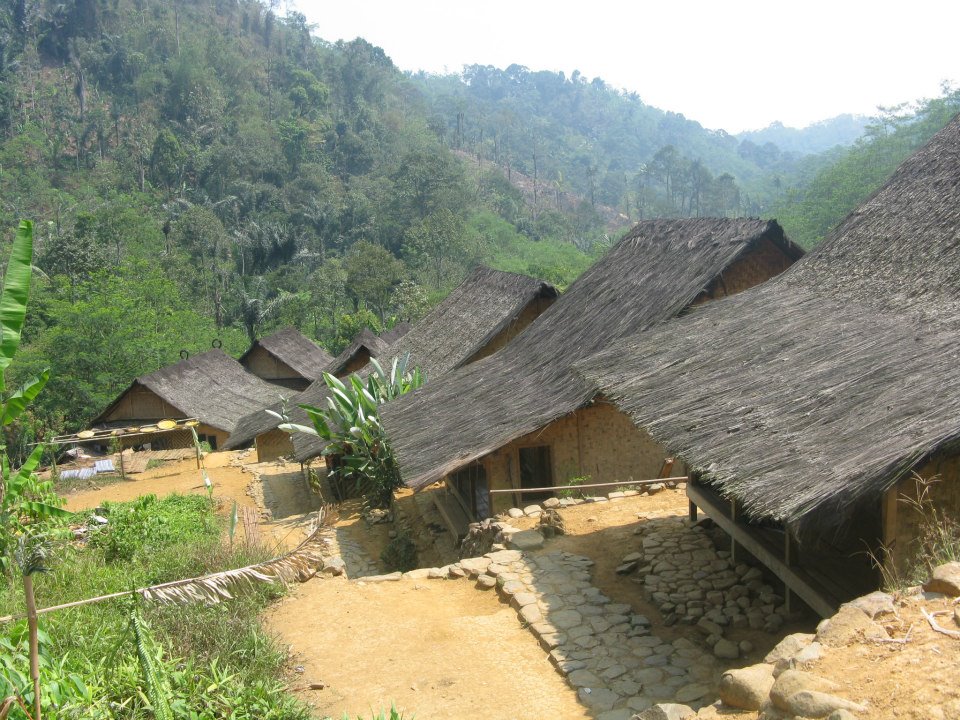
x,y
286,358
211,387
522,419
389,337
808,407
479,316
357,354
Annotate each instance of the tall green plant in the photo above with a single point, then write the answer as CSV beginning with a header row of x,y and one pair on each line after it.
x,y
351,426
24,498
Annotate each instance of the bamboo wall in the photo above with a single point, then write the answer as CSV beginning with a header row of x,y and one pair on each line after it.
x,y
267,367
530,313
596,441
273,445
764,261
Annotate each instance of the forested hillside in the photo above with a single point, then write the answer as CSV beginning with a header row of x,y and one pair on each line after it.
x,y
206,169
819,137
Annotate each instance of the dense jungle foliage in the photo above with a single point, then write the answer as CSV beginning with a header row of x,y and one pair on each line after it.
x,y
207,169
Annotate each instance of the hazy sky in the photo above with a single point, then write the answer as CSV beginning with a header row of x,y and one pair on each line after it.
x,y
732,65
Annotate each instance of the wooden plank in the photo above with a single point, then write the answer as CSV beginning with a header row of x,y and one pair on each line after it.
x,y
453,517
794,578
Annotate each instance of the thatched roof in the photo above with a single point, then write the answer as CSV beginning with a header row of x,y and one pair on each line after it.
x,y
477,310
395,333
295,350
816,392
364,344
656,271
211,386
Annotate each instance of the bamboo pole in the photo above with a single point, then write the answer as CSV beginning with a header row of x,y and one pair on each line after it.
x,y
552,488
34,646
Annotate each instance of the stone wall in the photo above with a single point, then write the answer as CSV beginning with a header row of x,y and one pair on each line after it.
x,y
596,441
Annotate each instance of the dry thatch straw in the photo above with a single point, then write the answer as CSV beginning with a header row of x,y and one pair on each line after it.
x,y
483,306
395,333
294,350
807,398
363,346
656,271
211,386
299,564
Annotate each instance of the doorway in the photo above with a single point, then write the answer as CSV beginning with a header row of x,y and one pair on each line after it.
x,y
536,470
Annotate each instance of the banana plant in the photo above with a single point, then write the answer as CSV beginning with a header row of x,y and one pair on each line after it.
x,y
350,425
24,499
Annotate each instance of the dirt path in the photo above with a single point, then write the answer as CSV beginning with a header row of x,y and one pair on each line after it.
x,y
229,483
436,649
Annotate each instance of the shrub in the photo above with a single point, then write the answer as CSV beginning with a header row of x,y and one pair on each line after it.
x,y
572,493
400,554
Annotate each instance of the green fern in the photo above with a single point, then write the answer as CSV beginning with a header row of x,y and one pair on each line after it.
x,y
156,685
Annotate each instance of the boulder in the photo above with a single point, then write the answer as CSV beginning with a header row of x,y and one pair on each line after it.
x,y
815,704
789,646
747,688
875,604
726,649
666,711
515,512
848,626
532,511
551,502
526,540
945,579
792,682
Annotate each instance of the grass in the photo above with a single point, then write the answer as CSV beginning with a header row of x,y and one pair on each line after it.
x,y
217,660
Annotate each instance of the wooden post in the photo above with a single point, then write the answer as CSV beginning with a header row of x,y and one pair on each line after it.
x,y
693,511
733,542
34,649
123,472
787,595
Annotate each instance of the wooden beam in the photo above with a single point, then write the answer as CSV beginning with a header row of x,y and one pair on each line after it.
x,y
552,488
794,578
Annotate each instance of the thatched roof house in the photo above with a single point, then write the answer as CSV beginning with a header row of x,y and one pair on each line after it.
x,y
395,333
807,402
211,386
499,409
365,345
478,317
286,358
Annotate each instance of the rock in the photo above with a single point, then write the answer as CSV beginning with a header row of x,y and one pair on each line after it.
x,y
515,512
583,678
689,693
945,579
848,626
598,698
875,604
551,502
956,615
389,577
666,711
632,557
726,649
811,653
504,557
654,489
792,682
418,574
334,565
566,619
530,614
456,571
475,566
747,688
526,540
485,582
626,568
709,627
841,714
532,511
788,647
816,704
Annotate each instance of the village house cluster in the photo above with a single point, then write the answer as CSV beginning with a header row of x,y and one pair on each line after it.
x,y
801,395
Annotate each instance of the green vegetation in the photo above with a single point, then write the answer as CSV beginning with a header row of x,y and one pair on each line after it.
x,y
99,661
400,554
356,441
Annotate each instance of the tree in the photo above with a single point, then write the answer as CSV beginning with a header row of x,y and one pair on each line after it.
x,y
166,161
372,274
436,241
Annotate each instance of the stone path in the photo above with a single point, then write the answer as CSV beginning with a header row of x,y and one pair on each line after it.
x,y
610,655
356,562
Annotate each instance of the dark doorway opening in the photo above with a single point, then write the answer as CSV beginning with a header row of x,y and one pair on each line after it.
x,y
536,470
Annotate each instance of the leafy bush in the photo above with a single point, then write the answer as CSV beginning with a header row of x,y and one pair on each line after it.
x,y
400,554
148,524
571,493
352,429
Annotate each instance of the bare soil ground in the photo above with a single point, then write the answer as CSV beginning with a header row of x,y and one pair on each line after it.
x,y
436,649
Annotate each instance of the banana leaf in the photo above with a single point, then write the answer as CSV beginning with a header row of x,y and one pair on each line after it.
x,y
13,298
18,402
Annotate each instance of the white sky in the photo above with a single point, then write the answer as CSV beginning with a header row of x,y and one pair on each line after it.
x,y
734,64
